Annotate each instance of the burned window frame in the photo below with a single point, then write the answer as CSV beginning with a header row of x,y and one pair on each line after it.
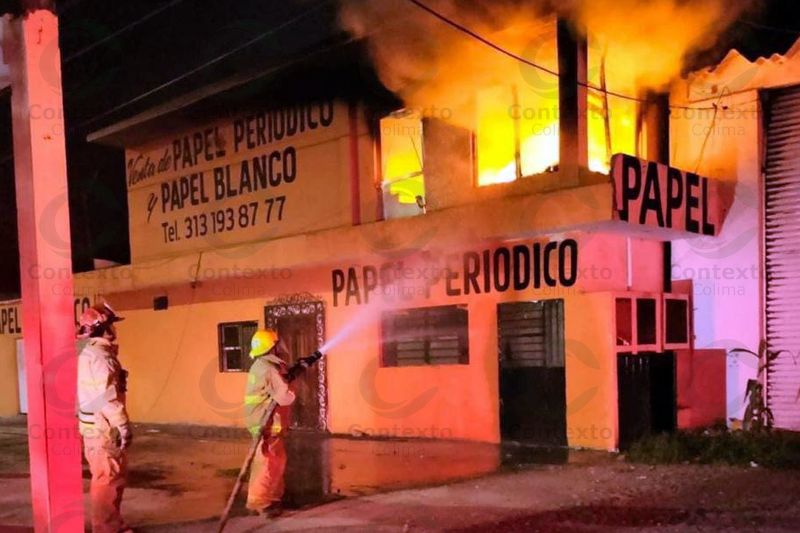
x,y
392,208
245,328
434,329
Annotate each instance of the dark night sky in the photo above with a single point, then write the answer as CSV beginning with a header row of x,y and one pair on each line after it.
x,y
184,35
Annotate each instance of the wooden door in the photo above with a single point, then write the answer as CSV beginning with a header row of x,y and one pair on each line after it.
x,y
299,335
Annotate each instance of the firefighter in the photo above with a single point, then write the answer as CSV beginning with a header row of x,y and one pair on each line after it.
x,y
265,383
103,420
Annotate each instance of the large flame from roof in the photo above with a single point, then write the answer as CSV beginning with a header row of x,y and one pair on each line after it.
x,y
634,46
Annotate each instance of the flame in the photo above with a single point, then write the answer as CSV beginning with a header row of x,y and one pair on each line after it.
x,y
402,155
638,45
495,137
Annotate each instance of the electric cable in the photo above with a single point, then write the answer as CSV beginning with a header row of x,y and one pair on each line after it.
x,y
261,36
210,62
120,31
705,140
530,63
760,26
182,336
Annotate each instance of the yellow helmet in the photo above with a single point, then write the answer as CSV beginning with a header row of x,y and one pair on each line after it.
x,y
262,342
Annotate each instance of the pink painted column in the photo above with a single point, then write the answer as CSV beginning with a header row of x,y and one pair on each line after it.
x,y
31,49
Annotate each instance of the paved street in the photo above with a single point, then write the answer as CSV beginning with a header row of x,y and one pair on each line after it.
x,y
180,477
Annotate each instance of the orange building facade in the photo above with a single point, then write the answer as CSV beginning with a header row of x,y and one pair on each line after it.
x,y
449,305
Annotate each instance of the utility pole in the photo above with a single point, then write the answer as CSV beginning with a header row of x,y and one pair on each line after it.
x,y
30,48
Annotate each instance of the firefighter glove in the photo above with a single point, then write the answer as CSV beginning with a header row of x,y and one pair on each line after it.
x,y
125,436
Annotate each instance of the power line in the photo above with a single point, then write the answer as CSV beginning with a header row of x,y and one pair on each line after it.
x,y
213,61
760,26
120,31
521,59
207,64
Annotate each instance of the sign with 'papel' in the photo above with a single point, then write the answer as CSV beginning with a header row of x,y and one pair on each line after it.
x,y
653,194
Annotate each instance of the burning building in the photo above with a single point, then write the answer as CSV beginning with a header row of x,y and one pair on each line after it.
x,y
480,242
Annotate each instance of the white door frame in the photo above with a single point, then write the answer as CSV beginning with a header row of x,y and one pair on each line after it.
x,y
22,381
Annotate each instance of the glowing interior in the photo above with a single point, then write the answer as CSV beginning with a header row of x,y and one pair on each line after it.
x,y
517,131
516,121
401,154
622,112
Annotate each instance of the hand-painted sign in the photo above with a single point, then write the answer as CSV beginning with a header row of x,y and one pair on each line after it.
x,y
530,266
11,315
652,194
249,178
10,320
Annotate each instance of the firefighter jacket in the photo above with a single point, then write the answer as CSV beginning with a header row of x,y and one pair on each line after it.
x,y
102,384
266,383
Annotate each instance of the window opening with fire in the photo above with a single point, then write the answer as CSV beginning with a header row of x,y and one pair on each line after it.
x,y
516,133
517,119
403,178
615,124
516,107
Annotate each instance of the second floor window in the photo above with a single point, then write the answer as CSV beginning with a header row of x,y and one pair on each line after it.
x,y
403,178
516,134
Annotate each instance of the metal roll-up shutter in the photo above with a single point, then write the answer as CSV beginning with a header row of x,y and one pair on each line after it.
x,y
782,254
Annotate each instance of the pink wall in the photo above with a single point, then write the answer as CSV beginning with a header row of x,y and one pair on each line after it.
x,y
726,270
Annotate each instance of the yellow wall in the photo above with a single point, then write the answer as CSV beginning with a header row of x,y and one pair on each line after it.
x,y
462,401
591,372
11,331
309,179
322,195
172,355
9,380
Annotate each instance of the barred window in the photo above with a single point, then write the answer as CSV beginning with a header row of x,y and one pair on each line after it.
x,y
234,345
426,336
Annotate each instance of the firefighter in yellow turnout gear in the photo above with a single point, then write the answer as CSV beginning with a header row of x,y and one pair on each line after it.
x,y
103,419
266,383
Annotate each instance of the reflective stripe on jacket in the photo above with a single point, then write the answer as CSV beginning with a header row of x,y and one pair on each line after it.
x,y
264,384
101,394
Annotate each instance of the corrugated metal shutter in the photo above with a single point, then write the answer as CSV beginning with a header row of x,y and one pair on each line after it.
x,y
782,254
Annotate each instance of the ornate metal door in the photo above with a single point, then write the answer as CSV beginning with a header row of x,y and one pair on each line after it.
x,y
300,323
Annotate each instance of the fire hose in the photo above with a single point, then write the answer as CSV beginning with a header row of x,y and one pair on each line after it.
x,y
294,372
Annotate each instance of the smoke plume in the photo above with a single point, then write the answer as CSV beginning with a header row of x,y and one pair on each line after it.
x,y
428,63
